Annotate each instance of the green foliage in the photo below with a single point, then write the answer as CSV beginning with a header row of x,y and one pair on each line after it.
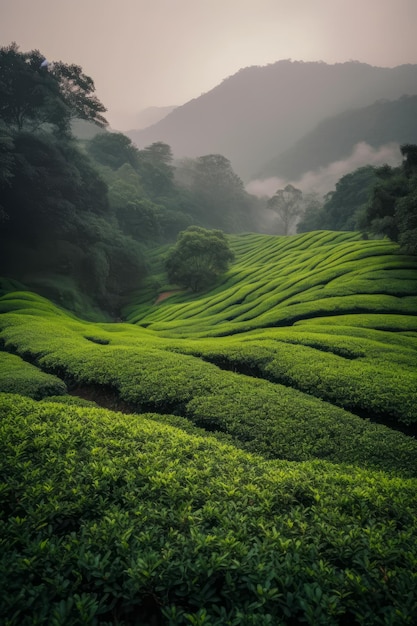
x,y
65,243
149,373
113,150
277,281
156,170
238,489
115,518
392,209
6,159
343,208
199,257
17,376
32,96
216,194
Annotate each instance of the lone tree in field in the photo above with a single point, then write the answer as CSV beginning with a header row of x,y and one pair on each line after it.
x,y
287,203
198,258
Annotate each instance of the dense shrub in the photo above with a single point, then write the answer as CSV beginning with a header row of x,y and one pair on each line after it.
x,y
107,518
161,516
16,376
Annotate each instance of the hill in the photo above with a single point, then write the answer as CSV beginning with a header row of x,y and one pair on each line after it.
x,y
334,139
254,457
150,115
261,111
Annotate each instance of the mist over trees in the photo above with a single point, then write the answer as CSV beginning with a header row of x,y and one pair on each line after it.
x,y
58,232
379,201
382,123
78,217
392,208
343,207
261,112
287,203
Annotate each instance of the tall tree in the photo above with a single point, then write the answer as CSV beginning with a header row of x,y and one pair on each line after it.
x,y
32,95
220,196
287,203
392,209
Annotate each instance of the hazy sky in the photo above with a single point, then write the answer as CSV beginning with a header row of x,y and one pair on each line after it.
x,y
144,53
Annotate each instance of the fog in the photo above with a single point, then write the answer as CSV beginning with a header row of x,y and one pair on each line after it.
x,y
325,178
143,53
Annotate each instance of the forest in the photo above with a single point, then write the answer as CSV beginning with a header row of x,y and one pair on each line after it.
x,y
207,398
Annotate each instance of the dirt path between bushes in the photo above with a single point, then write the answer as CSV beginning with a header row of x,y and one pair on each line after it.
x,y
166,294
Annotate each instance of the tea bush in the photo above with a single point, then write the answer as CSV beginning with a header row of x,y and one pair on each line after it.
x,y
151,374
279,280
17,376
108,518
238,489
342,375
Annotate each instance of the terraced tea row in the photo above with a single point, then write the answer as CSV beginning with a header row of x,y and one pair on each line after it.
x,y
276,281
168,376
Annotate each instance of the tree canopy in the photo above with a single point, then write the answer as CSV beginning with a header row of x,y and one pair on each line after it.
x,y
198,258
343,207
32,96
287,203
218,196
392,208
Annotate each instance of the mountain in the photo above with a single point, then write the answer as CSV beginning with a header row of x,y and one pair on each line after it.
x,y
151,115
334,139
260,112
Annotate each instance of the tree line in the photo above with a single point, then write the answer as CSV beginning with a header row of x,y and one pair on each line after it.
x,y
378,201
78,216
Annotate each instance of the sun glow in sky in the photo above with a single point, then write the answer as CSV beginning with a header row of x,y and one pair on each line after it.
x,y
143,53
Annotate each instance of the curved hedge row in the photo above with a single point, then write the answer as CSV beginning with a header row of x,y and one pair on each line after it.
x,y
152,374
276,281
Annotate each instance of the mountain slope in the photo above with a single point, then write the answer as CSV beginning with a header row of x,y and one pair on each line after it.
x,y
149,116
261,111
334,139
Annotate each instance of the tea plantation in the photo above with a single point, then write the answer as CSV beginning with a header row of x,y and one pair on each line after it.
x,y
242,456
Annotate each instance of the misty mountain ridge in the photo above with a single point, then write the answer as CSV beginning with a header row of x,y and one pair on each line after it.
x,y
383,123
149,116
261,111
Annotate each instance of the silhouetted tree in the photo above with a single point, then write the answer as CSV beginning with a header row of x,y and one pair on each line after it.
x,y
32,96
287,203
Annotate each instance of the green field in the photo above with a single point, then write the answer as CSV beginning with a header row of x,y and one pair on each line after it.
x,y
242,456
